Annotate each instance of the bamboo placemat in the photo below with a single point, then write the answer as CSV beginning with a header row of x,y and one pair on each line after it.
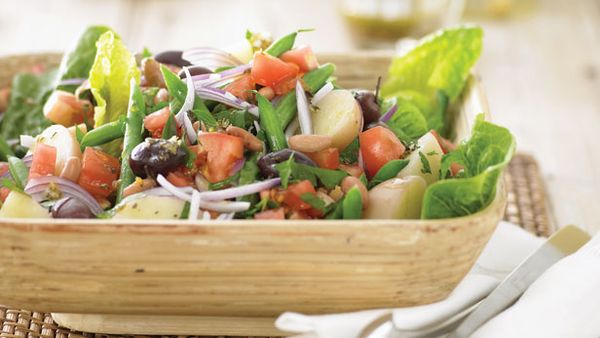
x,y
526,207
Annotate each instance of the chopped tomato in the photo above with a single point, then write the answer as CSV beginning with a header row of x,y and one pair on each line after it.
x,y
157,120
378,146
3,168
221,152
43,161
98,172
303,57
242,87
4,191
284,87
352,170
180,179
294,192
271,214
269,71
327,158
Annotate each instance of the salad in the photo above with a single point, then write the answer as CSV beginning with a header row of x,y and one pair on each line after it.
x,y
259,131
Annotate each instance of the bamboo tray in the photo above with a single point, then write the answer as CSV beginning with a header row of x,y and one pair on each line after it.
x,y
233,278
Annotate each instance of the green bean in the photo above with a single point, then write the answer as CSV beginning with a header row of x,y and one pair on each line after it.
x,y
133,136
352,204
269,121
316,78
18,170
313,80
170,128
5,150
104,134
282,45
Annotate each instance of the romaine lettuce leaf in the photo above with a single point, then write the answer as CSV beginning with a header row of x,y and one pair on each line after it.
x,y
24,114
408,123
441,62
110,76
78,60
483,156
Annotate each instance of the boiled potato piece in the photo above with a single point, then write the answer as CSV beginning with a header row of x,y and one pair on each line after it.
x,y
397,198
149,207
65,143
19,205
338,115
431,150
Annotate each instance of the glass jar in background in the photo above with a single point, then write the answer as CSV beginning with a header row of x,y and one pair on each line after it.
x,y
380,23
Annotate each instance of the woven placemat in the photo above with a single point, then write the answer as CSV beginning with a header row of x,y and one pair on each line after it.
x,y
526,207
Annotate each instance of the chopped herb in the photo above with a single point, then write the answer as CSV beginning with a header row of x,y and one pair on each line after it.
x,y
425,162
299,172
388,171
350,154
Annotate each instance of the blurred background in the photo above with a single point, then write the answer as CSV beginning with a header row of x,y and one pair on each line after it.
x,y
539,67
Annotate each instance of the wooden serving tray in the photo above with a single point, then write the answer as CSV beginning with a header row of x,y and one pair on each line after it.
x,y
234,277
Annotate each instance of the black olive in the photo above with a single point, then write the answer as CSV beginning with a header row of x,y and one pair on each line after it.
x,y
156,156
70,207
267,163
194,70
171,57
368,103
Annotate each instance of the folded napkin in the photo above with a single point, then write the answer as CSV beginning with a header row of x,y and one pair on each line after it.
x,y
563,302
508,246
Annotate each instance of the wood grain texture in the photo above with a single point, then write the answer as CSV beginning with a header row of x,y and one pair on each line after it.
x,y
244,268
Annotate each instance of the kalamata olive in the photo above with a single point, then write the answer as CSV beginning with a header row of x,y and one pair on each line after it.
x,y
156,156
171,57
70,207
267,163
369,106
194,70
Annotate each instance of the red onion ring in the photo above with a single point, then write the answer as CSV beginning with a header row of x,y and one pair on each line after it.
x,y
37,187
303,110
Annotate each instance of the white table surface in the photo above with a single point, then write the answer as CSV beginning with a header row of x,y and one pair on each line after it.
x,y
541,69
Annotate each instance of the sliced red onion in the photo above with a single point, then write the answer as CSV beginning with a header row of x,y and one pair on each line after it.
x,y
242,190
182,117
224,206
28,159
37,188
361,162
225,216
201,182
175,191
194,205
321,93
27,141
292,128
303,110
206,216
237,167
72,82
222,78
211,58
219,95
388,114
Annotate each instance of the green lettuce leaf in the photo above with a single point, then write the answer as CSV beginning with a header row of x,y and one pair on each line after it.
x,y
483,156
408,123
441,62
110,76
78,60
24,114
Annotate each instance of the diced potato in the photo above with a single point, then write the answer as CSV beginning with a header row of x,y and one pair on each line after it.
x,y
19,205
338,115
397,198
429,147
150,207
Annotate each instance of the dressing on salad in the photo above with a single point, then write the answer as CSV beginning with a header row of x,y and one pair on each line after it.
x,y
261,131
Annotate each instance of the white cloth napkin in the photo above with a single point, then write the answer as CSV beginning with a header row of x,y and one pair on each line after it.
x,y
563,302
508,247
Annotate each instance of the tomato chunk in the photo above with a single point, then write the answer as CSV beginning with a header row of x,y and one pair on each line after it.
x,y
4,191
284,87
180,179
378,146
43,161
242,87
327,158
294,192
221,152
157,120
269,71
303,57
271,214
98,172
